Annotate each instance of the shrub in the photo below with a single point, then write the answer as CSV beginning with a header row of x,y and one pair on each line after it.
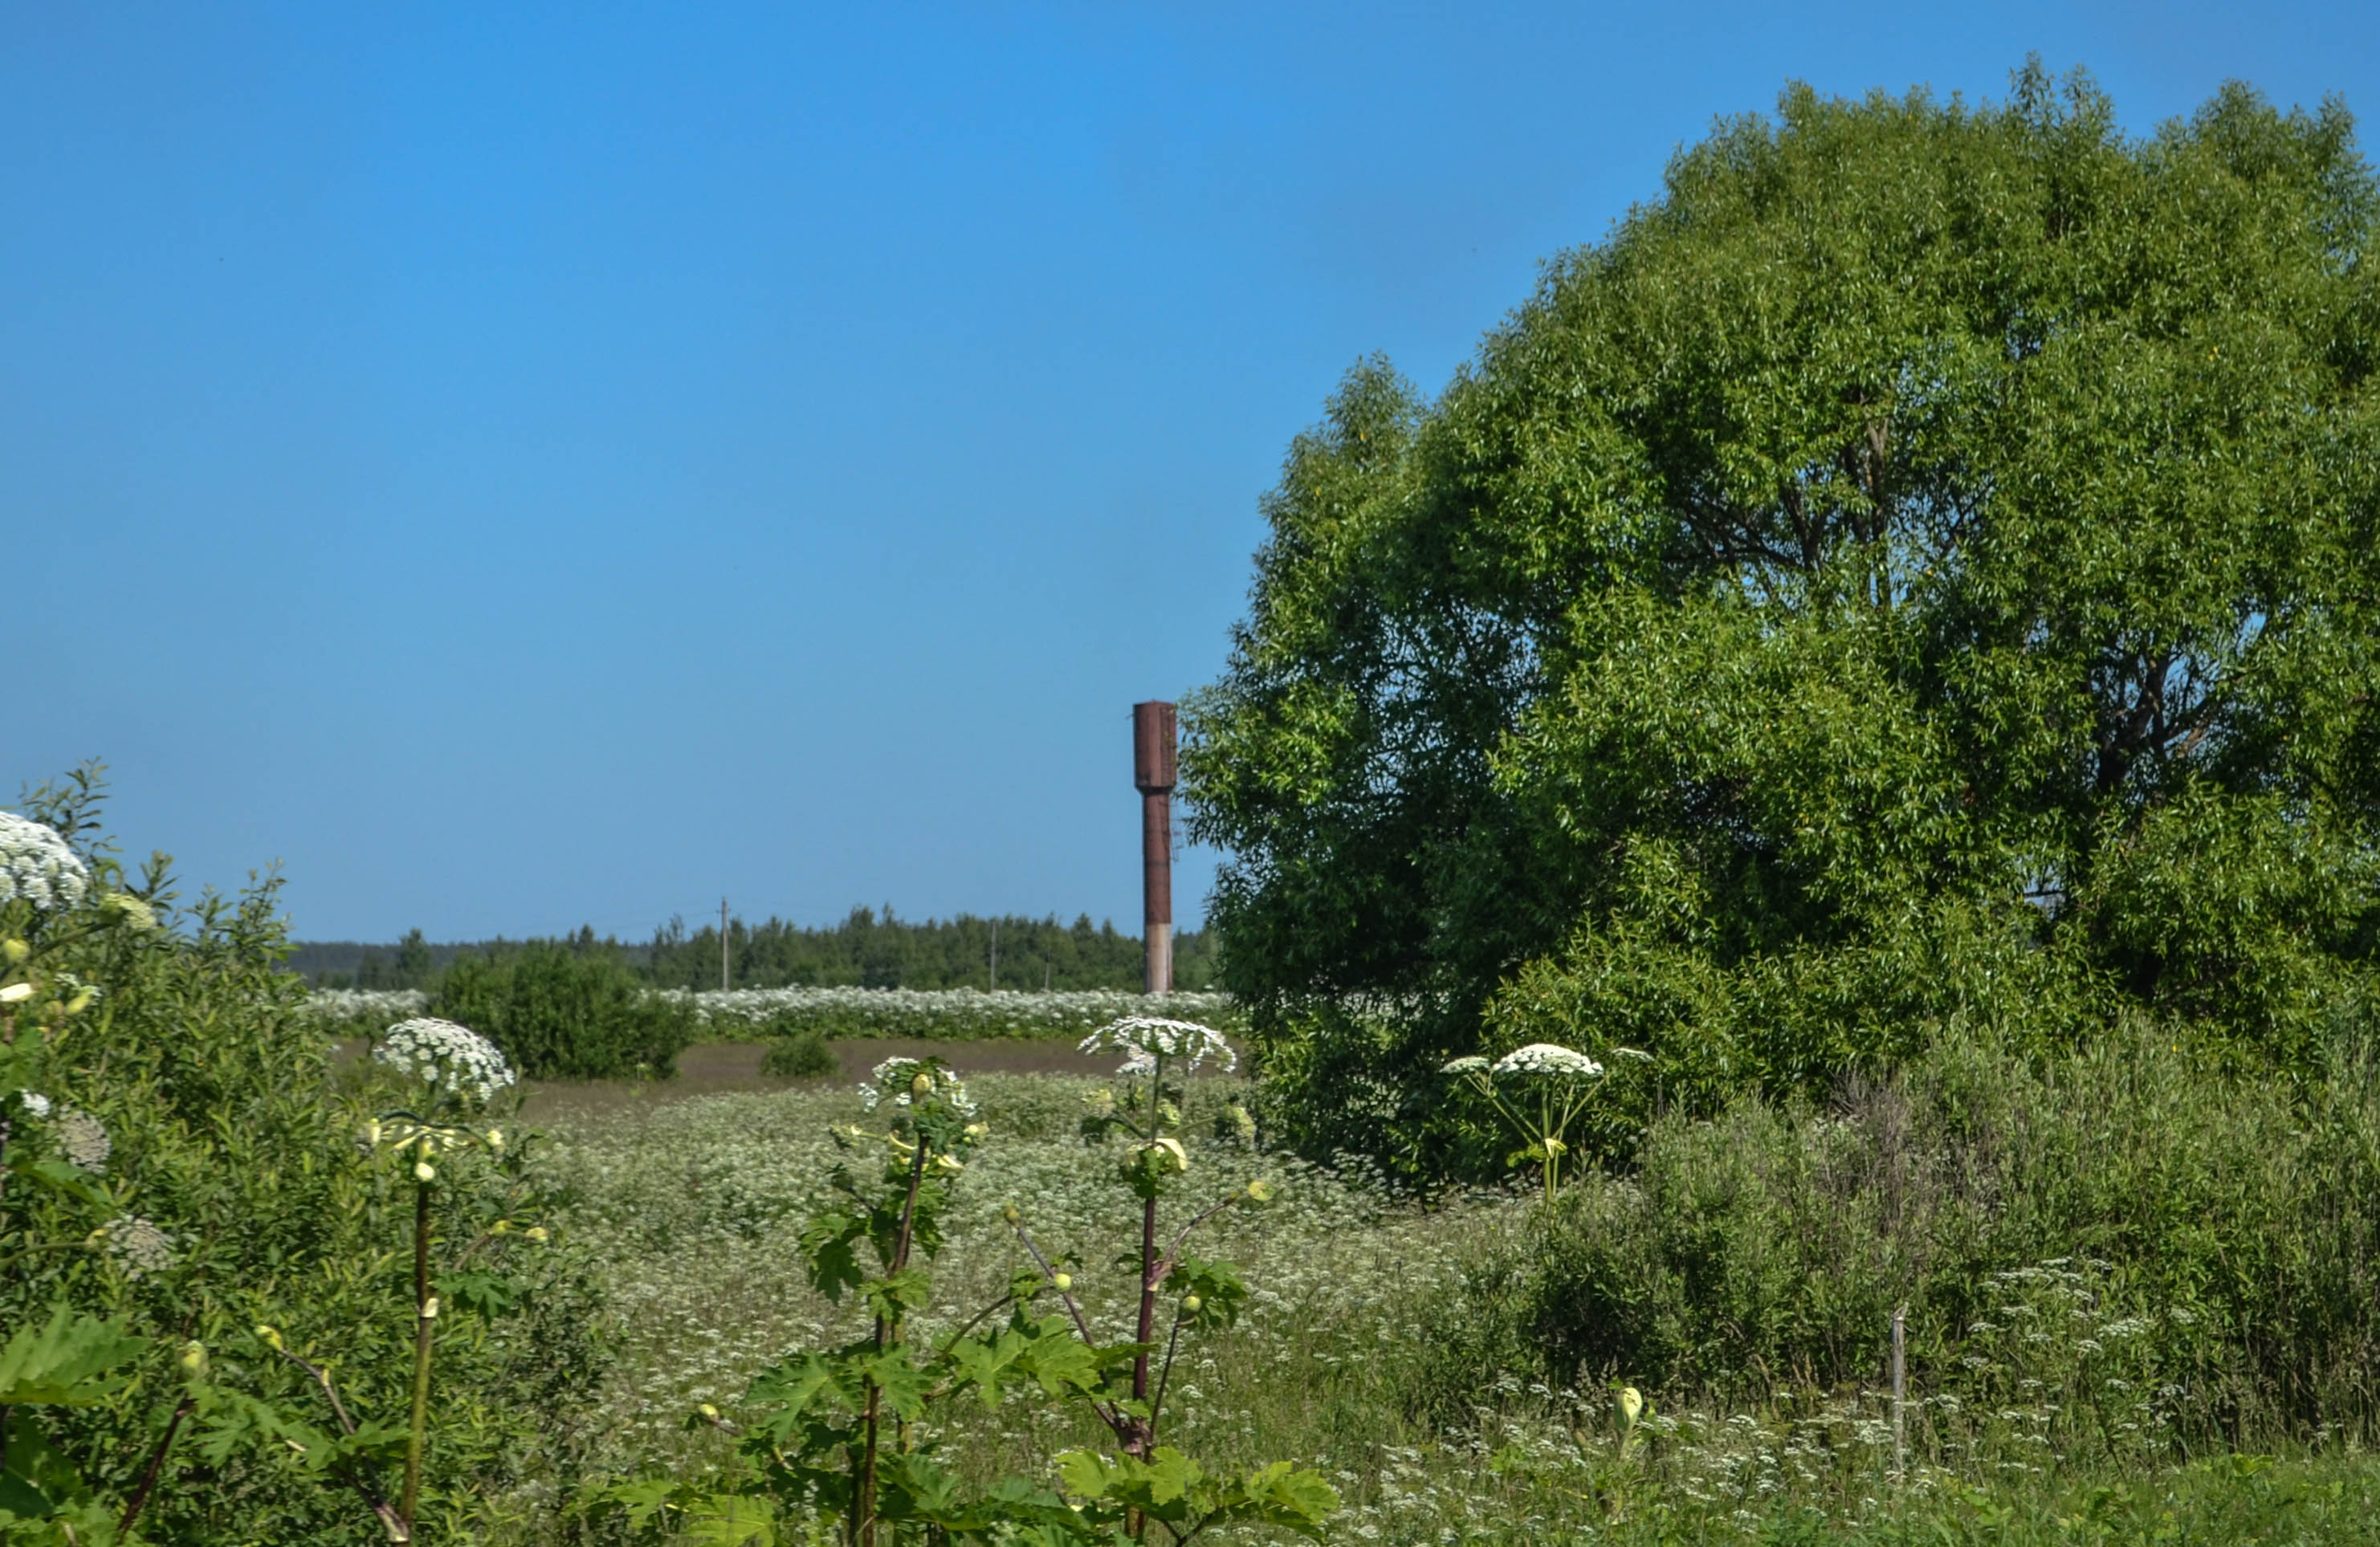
x,y
561,1013
803,1056
234,1195
2123,1228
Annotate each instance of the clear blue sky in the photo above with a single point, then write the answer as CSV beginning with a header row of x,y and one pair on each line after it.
x,y
526,466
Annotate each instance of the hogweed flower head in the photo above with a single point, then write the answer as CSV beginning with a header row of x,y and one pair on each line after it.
x,y
1547,1058
34,1103
1142,1039
129,909
82,1139
907,1082
446,1057
36,865
138,1247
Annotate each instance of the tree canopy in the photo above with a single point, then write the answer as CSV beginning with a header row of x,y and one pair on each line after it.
x,y
1918,572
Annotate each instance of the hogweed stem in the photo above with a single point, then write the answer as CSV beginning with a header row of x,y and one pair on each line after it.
x,y
425,1320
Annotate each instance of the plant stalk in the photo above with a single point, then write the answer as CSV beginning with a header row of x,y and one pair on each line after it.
x,y
425,1320
139,1499
863,1493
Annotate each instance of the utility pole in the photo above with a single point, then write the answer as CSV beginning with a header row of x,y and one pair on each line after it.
x,y
722,944
1152,775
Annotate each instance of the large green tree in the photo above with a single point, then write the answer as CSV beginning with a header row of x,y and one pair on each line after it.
x,y
1919,571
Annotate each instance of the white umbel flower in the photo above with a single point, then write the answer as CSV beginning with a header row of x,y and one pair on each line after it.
x,y
453,1059
34,1102
82,1138
36,865
1142,1039
895,1082
1547,1058
138,1247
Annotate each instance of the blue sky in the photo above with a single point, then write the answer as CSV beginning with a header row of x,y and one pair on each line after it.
x,y
525,466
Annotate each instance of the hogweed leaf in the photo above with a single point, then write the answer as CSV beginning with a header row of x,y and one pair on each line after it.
x,y
57,1363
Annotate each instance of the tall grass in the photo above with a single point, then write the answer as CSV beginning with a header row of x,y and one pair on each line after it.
x,y
2129,1283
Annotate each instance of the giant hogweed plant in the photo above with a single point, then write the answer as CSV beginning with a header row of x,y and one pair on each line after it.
x,y
845,1436
1539,1092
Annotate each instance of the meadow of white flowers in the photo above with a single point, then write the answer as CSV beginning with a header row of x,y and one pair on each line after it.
x,y
949,1014
693,1206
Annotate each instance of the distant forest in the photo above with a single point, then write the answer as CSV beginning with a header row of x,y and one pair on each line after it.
x,y
868,948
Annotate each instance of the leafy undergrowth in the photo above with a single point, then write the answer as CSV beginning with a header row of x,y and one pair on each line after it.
x,y
694,1204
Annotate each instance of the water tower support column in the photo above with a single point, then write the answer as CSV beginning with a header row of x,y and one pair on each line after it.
x,y
1152,775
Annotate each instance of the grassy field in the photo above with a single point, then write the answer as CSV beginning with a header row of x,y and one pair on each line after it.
x,y
690,1195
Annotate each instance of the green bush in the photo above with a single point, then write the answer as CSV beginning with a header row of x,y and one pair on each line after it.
x,y
803,1056
2164,1252
561,1013
194,1116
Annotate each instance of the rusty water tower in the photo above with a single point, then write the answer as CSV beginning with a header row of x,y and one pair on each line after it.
x,y
1152,775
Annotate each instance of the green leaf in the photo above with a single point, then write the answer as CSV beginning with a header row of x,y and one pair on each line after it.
x,y
58,1176
56,1363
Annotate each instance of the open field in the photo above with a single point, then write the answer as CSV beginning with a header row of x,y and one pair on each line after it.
x,y
690,1194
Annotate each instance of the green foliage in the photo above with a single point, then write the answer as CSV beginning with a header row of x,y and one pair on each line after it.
x,y
1918,574
2163,1259
803,1056
852,1437
565,1013
872,949
197,1174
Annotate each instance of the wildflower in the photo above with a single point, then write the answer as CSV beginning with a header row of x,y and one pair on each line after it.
x,y
1546,1057
1154,1037
915,1081
1472,1064
82,1139
496,1140
127,908
446,1057
36,865
34,1102
138,1247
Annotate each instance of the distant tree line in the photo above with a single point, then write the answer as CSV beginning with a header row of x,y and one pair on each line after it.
x,y
868,948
